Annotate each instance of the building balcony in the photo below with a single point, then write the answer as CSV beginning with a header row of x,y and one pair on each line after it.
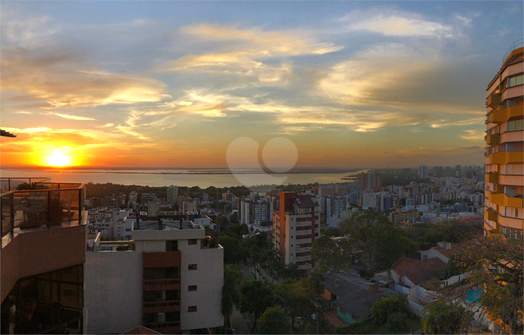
x,y
502,199
493,100
493,139
509,222
512,136
491,215
492,228
304,224
511,92
161,259
303,258
303,240
511,180
505,157
165,284
161,306
492,177
305,249
43,230
503,115
304,232
45,204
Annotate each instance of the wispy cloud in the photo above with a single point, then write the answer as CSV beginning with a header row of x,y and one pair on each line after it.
x,y
390,22
244,52
467,19
73,117
473,135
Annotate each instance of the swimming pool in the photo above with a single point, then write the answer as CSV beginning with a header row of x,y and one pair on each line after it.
x,y
473,295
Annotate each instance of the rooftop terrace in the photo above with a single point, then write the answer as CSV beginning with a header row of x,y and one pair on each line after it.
x,y
32,204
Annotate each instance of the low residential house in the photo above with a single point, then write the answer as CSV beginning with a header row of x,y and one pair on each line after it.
x,y
443,250
351,297
411,277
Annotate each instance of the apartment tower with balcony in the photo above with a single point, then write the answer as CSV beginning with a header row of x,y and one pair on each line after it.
x,y
504,209
296,224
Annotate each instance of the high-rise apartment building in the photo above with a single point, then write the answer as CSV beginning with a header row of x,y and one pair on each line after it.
x,y
42,259
504,209
255,210
172,194
296,224
369,180
423,172
168,278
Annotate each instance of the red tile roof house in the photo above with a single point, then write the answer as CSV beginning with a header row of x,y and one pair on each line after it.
x,y
411,275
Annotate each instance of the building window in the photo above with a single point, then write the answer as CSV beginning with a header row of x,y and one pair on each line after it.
x,y
192,267
191,309
192,241
514,125
172,245
515,81
192,288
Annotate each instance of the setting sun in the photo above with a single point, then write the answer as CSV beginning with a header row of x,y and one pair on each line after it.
x,y
58,158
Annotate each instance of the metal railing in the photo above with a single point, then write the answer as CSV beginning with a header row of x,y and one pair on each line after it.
x,y
515,45
11,184
45,204
163,281
160,303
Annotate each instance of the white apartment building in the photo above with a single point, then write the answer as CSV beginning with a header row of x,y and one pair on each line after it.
x,y
169,280
296,224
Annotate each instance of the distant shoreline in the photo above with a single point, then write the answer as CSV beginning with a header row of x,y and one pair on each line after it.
x,y
187,171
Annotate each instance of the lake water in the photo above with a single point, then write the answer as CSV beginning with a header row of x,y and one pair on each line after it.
x,y
202,178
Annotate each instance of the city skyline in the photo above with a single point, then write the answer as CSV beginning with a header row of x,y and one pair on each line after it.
x,y
172,84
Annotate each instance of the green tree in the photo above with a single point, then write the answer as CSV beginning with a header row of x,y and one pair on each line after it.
x,y
231,296
496,266
331,256
453,269
233,252
380,241
397,322
257,296
222,222
295,297
274,321
233,218
331,231
443,318
397,303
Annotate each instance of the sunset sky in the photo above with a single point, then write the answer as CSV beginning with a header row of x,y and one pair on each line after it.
x,y
172,84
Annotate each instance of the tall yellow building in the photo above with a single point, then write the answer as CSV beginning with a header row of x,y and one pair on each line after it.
x,y
504,209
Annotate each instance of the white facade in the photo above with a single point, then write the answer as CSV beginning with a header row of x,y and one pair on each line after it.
x,y
295,242
114,288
